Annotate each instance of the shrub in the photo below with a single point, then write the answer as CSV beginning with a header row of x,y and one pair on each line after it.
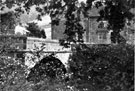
x,y
49,67
106,67
49,74
12,75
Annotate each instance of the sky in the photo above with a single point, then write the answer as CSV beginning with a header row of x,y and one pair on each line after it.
x,y
32,18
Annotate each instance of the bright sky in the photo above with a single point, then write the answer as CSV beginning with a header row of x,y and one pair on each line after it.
x,y
45,20
20,30
82,0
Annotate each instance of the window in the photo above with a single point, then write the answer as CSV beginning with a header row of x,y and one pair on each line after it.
x,y
102,36
101,25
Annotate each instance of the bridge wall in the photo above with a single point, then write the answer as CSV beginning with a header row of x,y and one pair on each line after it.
x,y
36,44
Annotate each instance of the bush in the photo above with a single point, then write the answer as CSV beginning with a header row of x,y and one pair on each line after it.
x,y
49,74
93,68
49,67
13,75
106,67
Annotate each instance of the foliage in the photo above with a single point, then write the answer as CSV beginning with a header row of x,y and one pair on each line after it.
x,y
116,12
49,67
49,74
93,68
53,85
107,67
35,31
6,45
12,75
56,9
13,78
7,22
103,67
74,30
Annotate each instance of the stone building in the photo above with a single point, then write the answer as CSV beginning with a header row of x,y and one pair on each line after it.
x,y
96,32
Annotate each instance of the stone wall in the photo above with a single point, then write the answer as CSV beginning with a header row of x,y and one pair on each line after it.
x,y
35,44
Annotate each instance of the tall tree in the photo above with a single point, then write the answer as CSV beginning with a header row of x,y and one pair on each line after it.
x,y
116,12
35,31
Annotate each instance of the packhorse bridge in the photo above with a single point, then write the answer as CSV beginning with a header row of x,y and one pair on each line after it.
x,y
34,48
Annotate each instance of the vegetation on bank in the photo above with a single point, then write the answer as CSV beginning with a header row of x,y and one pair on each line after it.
x,y
107,67
91,68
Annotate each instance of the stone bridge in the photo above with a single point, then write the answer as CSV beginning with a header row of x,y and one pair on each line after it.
x,y
29,46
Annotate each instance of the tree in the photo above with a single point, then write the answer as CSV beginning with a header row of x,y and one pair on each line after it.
x,y
115,12
56,9
35,31
103,67
8,21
